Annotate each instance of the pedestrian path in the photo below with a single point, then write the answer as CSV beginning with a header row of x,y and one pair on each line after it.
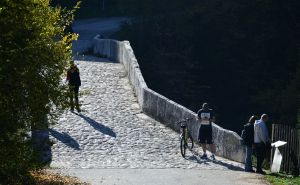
x,y
111,132
170,176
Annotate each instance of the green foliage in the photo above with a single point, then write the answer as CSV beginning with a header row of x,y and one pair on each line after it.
x,y
282,179
34,50
241,57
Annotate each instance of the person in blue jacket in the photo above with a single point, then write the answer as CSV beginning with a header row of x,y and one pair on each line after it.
x,y
261,141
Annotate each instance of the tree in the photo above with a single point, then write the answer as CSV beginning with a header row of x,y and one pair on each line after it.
x,y
34,53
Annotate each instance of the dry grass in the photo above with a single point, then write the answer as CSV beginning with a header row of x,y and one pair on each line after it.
x,y
44,177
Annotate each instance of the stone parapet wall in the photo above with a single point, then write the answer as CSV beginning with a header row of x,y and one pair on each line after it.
x,y
228,143
122,52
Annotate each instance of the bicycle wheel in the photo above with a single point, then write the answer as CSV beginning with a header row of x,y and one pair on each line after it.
x,y
190,142
182,146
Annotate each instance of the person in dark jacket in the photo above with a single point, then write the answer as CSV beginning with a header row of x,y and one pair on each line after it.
x,y
73,78
248,141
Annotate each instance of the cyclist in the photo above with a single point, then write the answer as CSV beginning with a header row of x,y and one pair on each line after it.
x,y
206,117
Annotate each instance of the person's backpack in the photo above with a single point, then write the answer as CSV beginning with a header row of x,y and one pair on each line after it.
x,y
246,137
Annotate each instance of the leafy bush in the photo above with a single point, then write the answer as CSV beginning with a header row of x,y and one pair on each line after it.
x,y
34,51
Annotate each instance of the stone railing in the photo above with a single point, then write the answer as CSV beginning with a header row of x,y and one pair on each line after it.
x,y
162,109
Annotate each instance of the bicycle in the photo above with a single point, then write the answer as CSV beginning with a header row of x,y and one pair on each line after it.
x,y
186,140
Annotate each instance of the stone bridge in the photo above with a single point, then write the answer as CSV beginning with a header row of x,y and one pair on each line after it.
x,y
126,134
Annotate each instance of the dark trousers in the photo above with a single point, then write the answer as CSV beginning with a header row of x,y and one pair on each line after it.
x,y
205,134
74,94
261,150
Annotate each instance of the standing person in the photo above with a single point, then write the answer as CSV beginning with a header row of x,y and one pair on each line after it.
x,y
248,141
261,141
73,78
206,117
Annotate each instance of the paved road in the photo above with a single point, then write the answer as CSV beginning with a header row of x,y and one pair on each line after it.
x,y
91,27
174,176
87,29
112,136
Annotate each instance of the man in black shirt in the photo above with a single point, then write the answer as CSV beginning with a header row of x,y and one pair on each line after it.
x,y
206,117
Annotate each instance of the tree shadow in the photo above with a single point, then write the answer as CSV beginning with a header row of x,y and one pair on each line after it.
x,y
42,143
196,158
65,138
98,126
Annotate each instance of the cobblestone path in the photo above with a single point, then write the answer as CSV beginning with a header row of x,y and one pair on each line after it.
x,y
111,131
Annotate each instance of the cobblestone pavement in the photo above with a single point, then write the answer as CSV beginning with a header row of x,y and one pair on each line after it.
x,y
111,131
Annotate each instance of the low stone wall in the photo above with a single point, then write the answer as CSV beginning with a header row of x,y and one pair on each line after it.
x,y
162,109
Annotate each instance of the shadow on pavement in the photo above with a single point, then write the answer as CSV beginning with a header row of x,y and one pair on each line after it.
x,y
228,166
196,158
65,138
98,126
41,142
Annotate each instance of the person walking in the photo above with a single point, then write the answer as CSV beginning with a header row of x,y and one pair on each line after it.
x,y
248,141
73,77
206,117
261,141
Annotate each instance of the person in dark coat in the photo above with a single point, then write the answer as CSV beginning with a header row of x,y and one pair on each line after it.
x,y
73,77
248,141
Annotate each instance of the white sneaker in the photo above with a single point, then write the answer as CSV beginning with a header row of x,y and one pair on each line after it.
x,y
213,157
